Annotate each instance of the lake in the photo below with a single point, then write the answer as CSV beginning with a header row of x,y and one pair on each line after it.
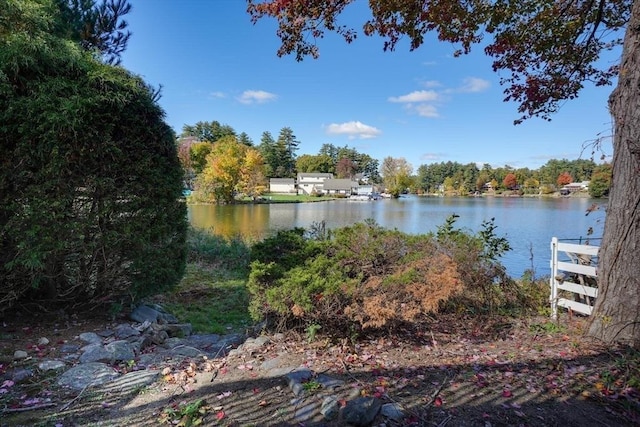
x,y
527,223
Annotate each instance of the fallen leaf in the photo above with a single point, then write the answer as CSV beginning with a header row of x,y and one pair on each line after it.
x,y
220,415
223,395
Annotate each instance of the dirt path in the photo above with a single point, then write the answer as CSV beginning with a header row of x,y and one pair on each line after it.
x,y
458,372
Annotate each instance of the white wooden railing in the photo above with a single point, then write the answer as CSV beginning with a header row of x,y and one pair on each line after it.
x,y
571,266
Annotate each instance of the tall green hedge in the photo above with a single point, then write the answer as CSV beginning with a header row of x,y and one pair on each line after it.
x,y
90,183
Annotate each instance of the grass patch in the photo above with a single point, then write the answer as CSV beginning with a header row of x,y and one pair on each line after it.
x,y
293,198
213,301
213,294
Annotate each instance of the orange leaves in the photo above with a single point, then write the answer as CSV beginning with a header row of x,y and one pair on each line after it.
x,y
407,294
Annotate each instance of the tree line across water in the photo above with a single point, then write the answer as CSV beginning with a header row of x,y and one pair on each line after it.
x,y
221,164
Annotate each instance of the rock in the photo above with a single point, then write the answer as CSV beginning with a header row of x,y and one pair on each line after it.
x,y
153,313
96,353
393,411
106,333
144,313
51,365
178,329
172,342
150,360
131,381
296,378
43,341
163,316
20,374
121,351
328,382
69,348
252,344
330,408
90,338
20,354
361,412
304,412
203,342
125,331
87,374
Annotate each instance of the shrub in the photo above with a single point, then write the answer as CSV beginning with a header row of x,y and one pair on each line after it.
x,y
365,276
91,206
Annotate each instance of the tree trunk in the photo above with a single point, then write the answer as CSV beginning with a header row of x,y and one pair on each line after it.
x,y
617,310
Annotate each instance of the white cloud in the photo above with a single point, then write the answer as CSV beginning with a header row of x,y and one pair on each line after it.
x,y
353,129
256,96
431,156
427,110
431,83
417,96
217,95
474,84
421,102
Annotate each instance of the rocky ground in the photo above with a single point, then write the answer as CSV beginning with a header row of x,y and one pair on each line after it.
x,y
456,371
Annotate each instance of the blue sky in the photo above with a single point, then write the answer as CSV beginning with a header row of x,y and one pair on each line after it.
x,y
425,105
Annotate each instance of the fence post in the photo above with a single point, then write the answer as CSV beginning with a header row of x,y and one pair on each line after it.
x,y
553,283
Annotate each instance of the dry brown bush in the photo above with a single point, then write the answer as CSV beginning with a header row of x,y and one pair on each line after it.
x,y
415,289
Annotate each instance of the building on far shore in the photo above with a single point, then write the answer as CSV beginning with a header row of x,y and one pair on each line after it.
x,y
282,186
312,183
574,187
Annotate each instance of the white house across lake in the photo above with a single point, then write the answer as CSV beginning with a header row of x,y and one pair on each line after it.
x,y
320,184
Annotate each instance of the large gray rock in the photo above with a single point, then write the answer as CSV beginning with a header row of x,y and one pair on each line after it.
x,y
90,338
361,412
122,351
96,353
144,313
131,381
87,374
152,313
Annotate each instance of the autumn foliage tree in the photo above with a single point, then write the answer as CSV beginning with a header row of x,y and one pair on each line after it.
x,y
546,51
564,178
510,181
345,168
231,167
